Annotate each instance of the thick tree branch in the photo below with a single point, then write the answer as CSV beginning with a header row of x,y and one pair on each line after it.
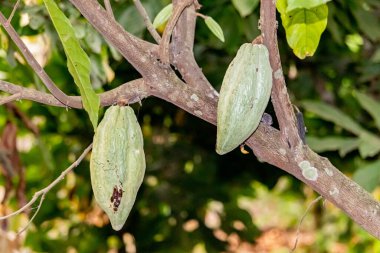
x,y
280,98
329,182
57,93
283,149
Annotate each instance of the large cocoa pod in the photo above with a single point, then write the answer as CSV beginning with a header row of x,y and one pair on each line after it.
x,y
117,163
244,95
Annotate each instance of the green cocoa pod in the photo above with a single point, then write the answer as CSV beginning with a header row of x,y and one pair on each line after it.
x,y
244,95
117,163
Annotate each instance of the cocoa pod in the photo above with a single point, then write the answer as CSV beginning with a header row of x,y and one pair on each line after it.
x,y
244,95
117,163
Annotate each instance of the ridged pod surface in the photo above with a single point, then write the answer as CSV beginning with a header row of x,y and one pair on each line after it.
x,y
117,163
244,95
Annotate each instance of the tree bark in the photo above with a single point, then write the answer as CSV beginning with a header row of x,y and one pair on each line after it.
x,y
282,148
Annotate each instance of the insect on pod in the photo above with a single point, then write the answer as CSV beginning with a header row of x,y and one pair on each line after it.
x,y
117,163
244,95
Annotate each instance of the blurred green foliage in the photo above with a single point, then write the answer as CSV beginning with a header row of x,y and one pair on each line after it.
x,y
193,200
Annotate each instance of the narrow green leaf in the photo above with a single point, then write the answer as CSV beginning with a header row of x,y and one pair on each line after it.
x,y
343,144
332,114
303,27
304,4
214,28
245,7
163,16
77,60
368,176
370,105
366,19
369,145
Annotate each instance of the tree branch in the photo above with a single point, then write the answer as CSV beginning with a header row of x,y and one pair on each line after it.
x,y
108,6
10,98
140,8
13,11
57,93
328,181
282,149
51,185
132,91
182,52
280,98
136,51
164,45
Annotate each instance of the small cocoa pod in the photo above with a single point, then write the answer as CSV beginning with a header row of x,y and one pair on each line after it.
x,y
117,163
244,95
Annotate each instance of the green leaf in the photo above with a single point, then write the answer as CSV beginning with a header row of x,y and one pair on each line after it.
x,y
365,20
214,28
163,16
303,27
304,4
332,114
370,105
77,61
369,145
245,7
368,176
343,144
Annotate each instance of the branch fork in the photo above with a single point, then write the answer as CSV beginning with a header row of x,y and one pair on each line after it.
x,y
282,148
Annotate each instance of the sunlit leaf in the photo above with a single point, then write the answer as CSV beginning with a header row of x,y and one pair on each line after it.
x,y
77,60
370,105
307,4
368,176
163,16
332,114
214,28
303,27
245,7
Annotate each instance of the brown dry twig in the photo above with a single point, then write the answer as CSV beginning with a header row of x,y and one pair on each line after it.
x,y
140,8
5,100
45,190
301,220
108,6
57,93
13,11
164,45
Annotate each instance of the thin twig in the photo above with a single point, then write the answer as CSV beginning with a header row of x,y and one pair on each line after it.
x,y
109,8
51,185
201,15
133,91
34,215
13,11
301,220
10,98
57,93
147,21
164,45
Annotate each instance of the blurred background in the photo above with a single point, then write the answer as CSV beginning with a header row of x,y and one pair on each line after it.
x,y
191,200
